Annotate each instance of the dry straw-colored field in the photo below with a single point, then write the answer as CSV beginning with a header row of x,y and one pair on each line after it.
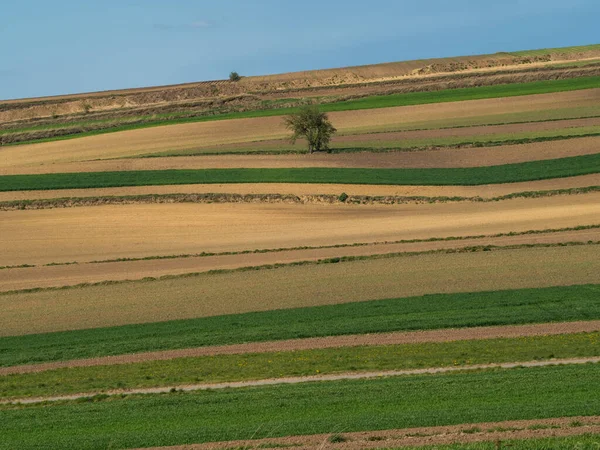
x,y
106,232
465,157
288,287
75,274
193,135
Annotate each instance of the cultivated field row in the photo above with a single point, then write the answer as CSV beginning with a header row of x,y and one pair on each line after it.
x,y
295,286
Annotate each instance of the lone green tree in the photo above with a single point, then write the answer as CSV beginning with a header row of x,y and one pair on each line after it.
x,y
234,76
313,125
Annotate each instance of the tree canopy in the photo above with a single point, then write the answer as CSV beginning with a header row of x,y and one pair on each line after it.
x,y
313,125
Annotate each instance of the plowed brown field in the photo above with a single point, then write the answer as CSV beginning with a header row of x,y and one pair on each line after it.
x,y
188,136
107,232
73,274
295,286
465,157
484,191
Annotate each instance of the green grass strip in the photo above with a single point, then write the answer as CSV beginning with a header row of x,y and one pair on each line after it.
x,y
345,406
472,176
510,307
374,102
222,368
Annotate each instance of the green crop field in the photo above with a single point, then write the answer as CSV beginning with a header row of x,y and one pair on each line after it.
x,y
220,368
510,307
398,402
472,176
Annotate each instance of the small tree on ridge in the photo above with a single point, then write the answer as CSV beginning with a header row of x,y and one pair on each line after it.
x,y
313,125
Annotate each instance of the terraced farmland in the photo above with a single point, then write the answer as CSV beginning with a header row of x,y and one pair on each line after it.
x,y
435,279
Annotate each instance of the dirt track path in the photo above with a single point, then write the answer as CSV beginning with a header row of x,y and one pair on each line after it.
x,y
189,136
70,275
445,158
496,432
146,230
410,337
307,379
484,191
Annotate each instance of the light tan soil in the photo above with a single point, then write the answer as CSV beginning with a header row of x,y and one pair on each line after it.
x,y
189,136
497,432
299,189
295,286
115,231
70,275
398,136
444,158
411,337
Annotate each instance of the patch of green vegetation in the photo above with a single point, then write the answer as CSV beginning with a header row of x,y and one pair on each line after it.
x,y
312,408
374,102
559,50
471,176
222,368
511,307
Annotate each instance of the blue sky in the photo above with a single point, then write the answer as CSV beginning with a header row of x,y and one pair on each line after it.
x,y
69,46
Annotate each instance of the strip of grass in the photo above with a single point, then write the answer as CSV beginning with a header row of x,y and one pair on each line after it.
x,y
357,405
374,102
221,368
472,176
511,307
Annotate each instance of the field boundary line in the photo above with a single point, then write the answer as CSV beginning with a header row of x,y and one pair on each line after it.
x,y
352,340
304,379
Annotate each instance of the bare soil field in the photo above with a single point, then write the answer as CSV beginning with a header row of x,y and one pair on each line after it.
x,y
412,337
190,136
299,189
295,286
116,231
446,158
496,432
434,133
74,274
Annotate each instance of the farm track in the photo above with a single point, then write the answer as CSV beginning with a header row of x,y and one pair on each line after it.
x,y
299,189
234,292
398,338
496,432
439,158
187,136
92,233
75,274
305,379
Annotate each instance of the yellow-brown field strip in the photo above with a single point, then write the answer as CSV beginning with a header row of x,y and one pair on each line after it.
x,y
74,274
299,189
189,136
295,286
141,230
398,338
446,158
